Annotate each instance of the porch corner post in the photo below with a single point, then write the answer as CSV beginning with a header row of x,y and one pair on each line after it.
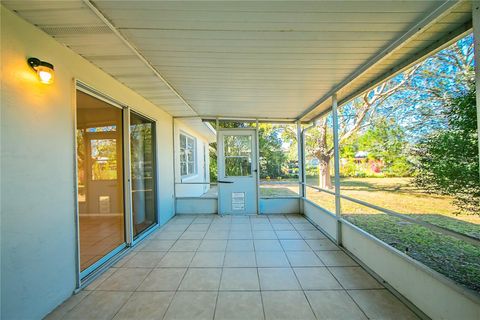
x,y
174,167
336,162
127,178
301,159
476,40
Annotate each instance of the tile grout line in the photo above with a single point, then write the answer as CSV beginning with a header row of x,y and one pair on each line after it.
x,y
328,269
258,276
346,291
183,277
123,304
301,287
153,268
219,283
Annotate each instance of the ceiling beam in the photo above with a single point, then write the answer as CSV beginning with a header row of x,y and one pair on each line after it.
x,y
245,119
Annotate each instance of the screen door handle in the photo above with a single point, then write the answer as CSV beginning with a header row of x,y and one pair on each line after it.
x,y
220,181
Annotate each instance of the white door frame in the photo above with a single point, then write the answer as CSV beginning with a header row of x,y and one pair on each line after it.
x,y
255,163
83,278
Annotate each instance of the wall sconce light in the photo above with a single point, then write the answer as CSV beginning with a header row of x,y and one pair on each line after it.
x,y
43,69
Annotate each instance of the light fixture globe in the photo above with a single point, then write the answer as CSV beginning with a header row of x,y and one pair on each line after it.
x,y
44,70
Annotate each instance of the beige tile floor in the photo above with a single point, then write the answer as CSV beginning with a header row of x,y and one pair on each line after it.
x,y
235,267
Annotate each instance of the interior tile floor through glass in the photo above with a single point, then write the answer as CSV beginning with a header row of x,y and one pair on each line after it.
x,y
99,235
235,267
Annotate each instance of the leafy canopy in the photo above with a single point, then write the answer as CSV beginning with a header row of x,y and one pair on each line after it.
x,y
448,158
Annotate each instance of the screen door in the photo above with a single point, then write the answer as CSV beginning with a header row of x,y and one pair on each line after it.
x,y
237,171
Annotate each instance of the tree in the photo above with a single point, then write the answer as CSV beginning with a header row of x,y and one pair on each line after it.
x,y
272,157
413,98
354,116
320,146
448,158
213,166
385,142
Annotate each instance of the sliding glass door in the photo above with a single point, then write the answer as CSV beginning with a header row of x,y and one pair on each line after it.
x,y
142,159
116,178
100,179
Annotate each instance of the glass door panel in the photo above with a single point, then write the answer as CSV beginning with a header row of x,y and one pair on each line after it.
x,y
100,178
238,155
142,158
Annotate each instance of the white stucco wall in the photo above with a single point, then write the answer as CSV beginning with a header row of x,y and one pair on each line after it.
x,y
37,167
202,162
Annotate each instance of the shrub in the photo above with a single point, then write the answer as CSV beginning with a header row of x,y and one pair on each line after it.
x,y
448,158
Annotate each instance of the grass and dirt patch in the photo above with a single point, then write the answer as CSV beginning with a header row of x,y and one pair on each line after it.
x,y
289,189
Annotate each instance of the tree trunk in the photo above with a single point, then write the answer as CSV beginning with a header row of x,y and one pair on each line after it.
x,y
323,154
324,180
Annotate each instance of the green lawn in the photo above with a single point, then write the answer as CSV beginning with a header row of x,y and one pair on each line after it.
x,y
399,195
454,258
277,190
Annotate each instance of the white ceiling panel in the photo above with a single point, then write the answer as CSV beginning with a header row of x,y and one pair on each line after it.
x,y
128,62
61,17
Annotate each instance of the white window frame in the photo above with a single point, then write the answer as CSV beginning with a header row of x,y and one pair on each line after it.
x,y
191,170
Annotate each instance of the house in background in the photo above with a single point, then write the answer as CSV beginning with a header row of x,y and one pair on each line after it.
x,y
192,157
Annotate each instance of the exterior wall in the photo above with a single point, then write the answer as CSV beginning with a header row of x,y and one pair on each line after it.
x,y
202,163
196,206
321,217
279,205
38,243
